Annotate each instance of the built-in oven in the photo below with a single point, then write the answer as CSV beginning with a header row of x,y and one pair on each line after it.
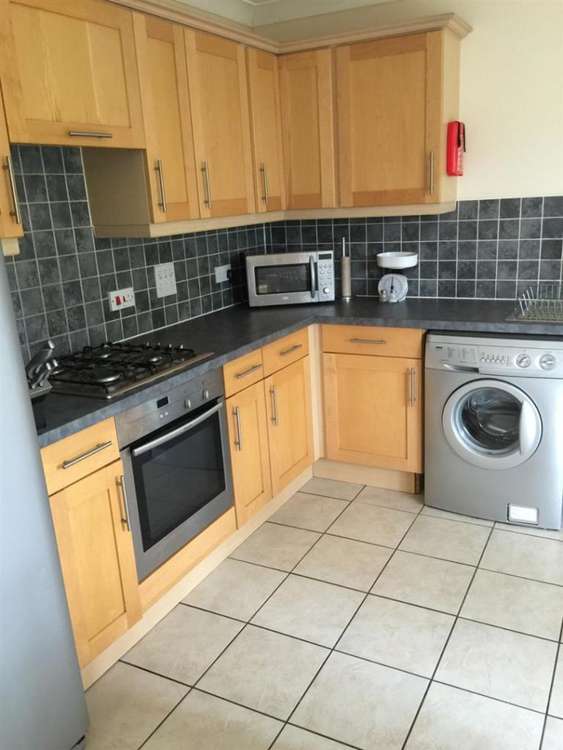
x,y
290,278
177,473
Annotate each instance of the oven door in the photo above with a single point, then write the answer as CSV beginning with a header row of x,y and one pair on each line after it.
x,y
282,279
178,481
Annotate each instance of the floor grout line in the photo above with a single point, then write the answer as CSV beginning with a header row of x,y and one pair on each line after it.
x,y
552,684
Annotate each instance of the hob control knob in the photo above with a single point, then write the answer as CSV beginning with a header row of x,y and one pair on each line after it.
x,y
523,360
205,394
547,361
326,290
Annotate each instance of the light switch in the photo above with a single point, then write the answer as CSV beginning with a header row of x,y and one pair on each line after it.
x,y
165,279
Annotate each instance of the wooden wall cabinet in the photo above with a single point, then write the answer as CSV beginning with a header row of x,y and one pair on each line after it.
x,y
73,78
395,97
307,97
10,218
265,122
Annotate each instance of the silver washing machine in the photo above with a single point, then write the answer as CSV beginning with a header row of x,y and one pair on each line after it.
x,y
494,428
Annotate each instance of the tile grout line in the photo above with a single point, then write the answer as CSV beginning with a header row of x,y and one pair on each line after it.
x,y
552,684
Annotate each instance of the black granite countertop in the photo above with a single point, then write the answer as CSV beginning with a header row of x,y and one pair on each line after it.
x,y
235,331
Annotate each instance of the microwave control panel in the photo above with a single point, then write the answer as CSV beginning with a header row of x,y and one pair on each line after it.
x,y
325,271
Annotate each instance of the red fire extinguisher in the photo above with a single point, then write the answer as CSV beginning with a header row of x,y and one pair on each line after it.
x,y
455,148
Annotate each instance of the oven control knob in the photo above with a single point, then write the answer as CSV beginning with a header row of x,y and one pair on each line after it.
x,y
523,360
547,361
205,394
188,403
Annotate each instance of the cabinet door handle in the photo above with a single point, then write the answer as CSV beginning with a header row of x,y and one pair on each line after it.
x,y
206,184
238,433
294,348
411,372
248,371
356,340
123,503
430,185
90,134
15,211
83,456
273,400
158,168
265,184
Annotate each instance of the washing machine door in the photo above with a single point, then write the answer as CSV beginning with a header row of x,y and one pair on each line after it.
x,y
492,424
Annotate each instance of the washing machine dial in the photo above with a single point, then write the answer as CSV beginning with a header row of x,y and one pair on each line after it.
x,y
547,361
523,360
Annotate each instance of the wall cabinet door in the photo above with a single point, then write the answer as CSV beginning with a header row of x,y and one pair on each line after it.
x,y
219,101
10,219
389,120
74,72
96,553
164,90
373,413
306,84
288,405
250,457
263,79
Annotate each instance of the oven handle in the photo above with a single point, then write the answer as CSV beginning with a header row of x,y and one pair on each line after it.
x,y
178,431
313,270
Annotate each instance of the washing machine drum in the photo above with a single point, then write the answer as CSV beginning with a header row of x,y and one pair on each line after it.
x,y
492,424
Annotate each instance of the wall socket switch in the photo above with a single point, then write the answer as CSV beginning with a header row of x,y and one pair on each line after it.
x,y
121,298
222,273
165,279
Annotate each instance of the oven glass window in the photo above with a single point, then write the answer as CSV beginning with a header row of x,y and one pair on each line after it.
x,y
489,419
294,277
176,479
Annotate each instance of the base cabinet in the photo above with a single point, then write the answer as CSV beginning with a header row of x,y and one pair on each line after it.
x,y
97,560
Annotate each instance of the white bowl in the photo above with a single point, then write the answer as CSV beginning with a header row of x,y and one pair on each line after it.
x,y
397,260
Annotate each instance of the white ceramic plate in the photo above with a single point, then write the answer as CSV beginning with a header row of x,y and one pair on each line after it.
x,y
397,260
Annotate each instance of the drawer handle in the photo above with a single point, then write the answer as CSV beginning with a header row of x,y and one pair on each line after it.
x,y
274,402
83,456
356,340
249,371
294,348
124,506
238,433
89,134
411,373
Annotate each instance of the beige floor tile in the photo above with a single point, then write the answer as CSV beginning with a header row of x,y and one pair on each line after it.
x,y
509,666
439,513
452,719
277,546
345,562
553,736
398,635
369,523
526,556
332,488
312,512
556,702
363,704
294,738
547,533
203,722
184,643
312,610
449,540
425,581
390,499
265,671
235,589
126,705
515,603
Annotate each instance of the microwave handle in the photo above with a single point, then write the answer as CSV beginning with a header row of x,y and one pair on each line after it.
x,y
177,432
313,268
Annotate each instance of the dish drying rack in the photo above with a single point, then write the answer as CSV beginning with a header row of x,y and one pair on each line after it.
x,y
543,304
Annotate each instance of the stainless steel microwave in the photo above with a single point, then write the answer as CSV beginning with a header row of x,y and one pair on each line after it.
x,y
290,278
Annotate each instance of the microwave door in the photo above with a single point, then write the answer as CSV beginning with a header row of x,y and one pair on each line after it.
x,y
283,280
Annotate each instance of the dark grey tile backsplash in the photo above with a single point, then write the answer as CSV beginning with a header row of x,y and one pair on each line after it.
x,y
489,249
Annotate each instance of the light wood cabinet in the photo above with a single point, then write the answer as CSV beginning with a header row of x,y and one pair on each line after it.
x,y
373,410
307,97
96,553
265,122
288,406
284,351
243,371
73,78
250,458
219,101
10,219
394,99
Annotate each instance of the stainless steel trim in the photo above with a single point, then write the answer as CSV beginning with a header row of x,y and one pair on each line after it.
x,y
158,168
356,340
15,212
177,432
125,507
248,371
265,185
206,184
274,405
89,134
430,185
294,348
67,464
313,269
238,434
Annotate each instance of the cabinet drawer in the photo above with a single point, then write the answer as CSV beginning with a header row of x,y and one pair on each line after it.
x,y
76,456
284,351
378,340
243,371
